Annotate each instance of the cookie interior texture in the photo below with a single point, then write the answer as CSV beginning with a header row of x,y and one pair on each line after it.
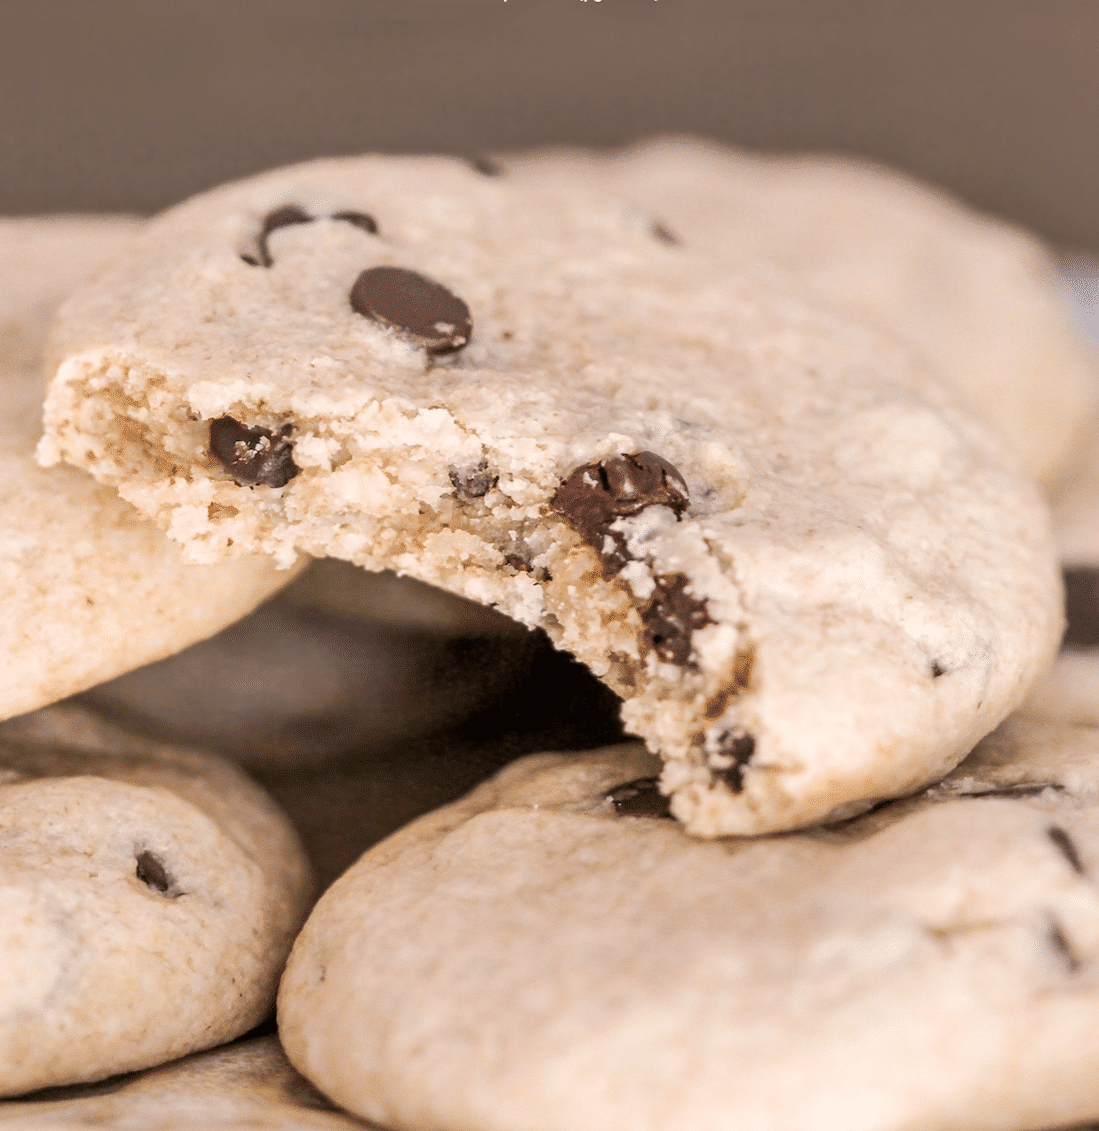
x,y
813,579
90,588
977,296
148,898
550,944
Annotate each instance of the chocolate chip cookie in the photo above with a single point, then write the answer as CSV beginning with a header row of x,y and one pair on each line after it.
x,y
148,899
814,579
553,944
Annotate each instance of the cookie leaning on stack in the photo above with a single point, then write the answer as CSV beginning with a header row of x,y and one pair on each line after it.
x,y
770,530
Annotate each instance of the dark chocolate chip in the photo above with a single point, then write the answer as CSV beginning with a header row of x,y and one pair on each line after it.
x,y
360,219
417,306
284,217
739,747
1061,946
937,669
1082,607
481,164
253,456
640,798
1067,848
671,616
151,871
597,494
663,233
474,483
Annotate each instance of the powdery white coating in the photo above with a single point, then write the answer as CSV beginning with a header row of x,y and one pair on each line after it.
x,y
978,297
527,960
244,1085
90,588
148,898
877,578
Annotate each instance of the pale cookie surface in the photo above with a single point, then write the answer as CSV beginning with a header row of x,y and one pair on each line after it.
x,y
977,296
148,898
550,955
89,587
244,1085
813,579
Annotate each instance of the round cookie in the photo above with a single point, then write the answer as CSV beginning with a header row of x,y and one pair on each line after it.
x,y
90,588
248,1084
549,952
980,298
148,898
769,529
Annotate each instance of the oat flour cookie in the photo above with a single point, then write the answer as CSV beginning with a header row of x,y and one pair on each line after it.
x,y
549,953
979,297
148,898
89,587
811,577
248,1084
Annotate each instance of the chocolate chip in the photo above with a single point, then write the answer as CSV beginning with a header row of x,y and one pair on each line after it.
x,y
474,483
671,616
597,494
360,219
640,798
1082,607
417,306
937,669
1067,848
151,871
253,456
739,747
662,233
484,166
284,217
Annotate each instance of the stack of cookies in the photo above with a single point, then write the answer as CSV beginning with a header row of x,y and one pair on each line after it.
x,y
767,445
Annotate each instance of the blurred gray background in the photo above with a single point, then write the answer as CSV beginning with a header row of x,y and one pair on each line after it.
x,y
132,104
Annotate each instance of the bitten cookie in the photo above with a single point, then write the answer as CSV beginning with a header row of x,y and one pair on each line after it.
x,y
148,898
549,953
980,298
244,1085
89,587
814,580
